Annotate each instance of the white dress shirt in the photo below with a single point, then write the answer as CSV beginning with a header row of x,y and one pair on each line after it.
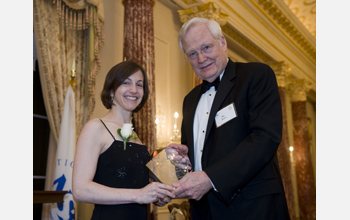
x,y
200,123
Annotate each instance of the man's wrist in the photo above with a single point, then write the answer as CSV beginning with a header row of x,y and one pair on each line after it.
x,y
212,184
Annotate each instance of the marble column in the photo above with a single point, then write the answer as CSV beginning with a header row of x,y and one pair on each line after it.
x,y
139,47
282,71
303,166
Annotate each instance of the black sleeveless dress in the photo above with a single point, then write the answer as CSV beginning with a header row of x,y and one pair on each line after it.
x,y
121,168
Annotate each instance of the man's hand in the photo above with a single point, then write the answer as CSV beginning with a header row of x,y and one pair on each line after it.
x,y
181,148
192,186
177,154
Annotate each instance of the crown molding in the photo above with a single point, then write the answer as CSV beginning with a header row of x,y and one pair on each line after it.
x,y
282,17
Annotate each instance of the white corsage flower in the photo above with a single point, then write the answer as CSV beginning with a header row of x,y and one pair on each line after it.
x,y
126,133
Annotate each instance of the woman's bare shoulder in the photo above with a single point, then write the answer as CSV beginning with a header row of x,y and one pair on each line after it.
x,y
92,127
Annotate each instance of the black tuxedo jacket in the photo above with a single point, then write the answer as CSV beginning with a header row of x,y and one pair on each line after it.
x,y
240,156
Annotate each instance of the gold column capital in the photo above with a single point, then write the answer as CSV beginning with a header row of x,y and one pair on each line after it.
x,y
298,88
282,71
207,10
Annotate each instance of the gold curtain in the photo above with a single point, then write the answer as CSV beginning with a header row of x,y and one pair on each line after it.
x,y
65,31
61,35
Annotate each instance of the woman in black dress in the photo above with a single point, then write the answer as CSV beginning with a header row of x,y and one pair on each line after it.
x,y
106,173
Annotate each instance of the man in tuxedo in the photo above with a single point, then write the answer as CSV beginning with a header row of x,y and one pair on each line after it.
x,y
232,126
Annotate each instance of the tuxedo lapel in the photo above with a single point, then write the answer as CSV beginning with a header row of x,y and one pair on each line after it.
x,y
224,89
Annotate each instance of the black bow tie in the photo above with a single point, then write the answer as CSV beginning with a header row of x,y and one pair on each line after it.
x,y
206,85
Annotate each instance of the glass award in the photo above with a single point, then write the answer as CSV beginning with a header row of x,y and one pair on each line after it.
x,y
169,166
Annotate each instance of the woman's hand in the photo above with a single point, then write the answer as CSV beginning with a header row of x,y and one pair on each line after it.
x,y
155,192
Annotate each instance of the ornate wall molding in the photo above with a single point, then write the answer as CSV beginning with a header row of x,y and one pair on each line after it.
x,y
305,11
277,15
208,11
246,44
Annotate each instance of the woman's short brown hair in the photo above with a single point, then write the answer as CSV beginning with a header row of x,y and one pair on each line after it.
x,y
116,76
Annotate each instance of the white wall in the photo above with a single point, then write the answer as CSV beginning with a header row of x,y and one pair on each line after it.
x,y
172,70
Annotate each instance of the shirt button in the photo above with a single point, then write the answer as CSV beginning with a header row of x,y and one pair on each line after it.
x,y
207,112
203,131
202,151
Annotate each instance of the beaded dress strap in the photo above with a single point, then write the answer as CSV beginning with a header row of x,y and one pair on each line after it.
x,y
107,128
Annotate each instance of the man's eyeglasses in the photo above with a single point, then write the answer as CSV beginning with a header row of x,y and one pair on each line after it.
x,y
206,49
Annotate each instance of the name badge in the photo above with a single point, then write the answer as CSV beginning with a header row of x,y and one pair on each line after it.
x,y
225,114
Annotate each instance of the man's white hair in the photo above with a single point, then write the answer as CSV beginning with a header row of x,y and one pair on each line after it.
x,y
212,25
